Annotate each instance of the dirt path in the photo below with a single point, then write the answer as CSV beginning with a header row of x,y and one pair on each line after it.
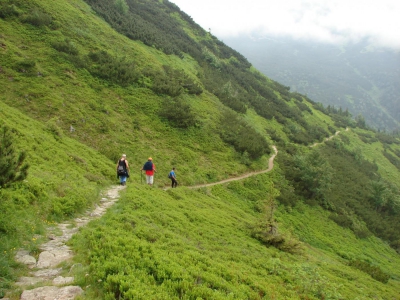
x,y
328,138
270,167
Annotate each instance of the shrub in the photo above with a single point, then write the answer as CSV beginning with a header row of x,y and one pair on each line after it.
x,y
178,113
8,10
12,166
375,272
267,234
121,6
244,138
174,82
38,18
113,69
25,66
66,46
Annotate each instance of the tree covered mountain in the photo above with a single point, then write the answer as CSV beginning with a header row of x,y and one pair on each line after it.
x,y
357,77
82,82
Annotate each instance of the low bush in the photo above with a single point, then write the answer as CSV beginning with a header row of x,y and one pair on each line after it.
x,y
66,46
179,113
8,10
244,138
113,69
375,272
38,18
267,234
13,167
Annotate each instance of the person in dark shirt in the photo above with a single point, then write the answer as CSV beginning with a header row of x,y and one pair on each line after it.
x,y
123,169
172,176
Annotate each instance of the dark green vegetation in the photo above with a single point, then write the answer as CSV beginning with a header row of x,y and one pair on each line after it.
x,y
82,83
12,166
357,76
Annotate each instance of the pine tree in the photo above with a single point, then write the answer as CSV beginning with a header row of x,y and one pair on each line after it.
x,y
12,166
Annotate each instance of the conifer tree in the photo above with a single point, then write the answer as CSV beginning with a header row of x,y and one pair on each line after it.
x,y
12,166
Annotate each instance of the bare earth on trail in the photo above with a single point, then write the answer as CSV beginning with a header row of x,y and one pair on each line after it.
x,y
328,138
270,167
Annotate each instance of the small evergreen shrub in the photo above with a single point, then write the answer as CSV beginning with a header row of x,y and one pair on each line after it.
x,y
113,69
12,165
179,113
8,10
38,18
375,272
27,66
244,138
66,46
267,234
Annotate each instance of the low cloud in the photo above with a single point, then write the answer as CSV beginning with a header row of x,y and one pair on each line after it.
x,y
334,21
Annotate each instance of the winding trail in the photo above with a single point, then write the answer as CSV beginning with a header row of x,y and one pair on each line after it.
x,y
270,167
328,138
53,280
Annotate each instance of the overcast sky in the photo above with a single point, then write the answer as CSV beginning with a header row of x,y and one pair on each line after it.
x,y
334,21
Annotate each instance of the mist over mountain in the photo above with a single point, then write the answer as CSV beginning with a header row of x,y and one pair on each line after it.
x,y
357,77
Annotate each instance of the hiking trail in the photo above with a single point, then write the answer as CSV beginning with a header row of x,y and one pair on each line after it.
x,y
328,138
55,284
270,167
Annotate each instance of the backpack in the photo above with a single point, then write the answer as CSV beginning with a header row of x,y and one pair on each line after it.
x,y
169,175
148,166
121,170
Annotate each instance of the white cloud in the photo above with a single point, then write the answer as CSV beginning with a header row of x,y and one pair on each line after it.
x,y
335,21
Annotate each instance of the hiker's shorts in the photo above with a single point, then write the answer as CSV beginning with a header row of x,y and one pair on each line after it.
x,y
149,179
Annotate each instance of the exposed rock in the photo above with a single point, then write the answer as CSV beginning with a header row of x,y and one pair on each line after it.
x,y
27,281
52,293
63,280
23,257
49,259
47,273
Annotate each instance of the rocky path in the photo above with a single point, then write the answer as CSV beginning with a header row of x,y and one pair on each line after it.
x,y
45,270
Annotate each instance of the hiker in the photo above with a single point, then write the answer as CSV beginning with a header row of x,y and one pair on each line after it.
x,y
123,169
150,168
172,176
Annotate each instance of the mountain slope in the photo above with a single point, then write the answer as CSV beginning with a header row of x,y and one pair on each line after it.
x,y
354,77
79,94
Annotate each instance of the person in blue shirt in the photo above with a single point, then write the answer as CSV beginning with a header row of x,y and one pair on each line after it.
x,y
172,176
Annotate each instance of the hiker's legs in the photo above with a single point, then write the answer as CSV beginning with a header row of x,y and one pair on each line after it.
x,y
122,180
174,182
149,179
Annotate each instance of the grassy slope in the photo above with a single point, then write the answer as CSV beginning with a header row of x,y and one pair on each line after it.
x,y
108,118
184,244
208,231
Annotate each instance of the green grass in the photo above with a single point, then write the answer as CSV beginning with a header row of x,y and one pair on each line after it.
x,y
185,244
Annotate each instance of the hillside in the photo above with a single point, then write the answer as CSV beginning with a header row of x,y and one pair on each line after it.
x,y
83,82
356,77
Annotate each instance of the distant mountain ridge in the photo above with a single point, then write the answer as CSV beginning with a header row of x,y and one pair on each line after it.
x,y
358,77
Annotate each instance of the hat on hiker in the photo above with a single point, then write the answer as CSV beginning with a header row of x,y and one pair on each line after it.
x,y
123,155
150,158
